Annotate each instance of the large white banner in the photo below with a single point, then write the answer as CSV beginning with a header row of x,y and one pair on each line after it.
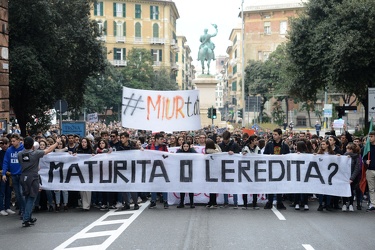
x,y
160,110
186,172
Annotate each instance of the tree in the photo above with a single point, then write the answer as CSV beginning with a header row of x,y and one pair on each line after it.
x,y
53,50
332,43
163,80
138,72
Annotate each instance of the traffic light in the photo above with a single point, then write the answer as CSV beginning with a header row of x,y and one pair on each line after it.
x,y
240,113
209,113
340,111
213,113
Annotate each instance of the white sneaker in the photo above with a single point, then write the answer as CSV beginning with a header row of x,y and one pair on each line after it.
x,y
306,207
9,211
2,212
344,208
296,207
119,205
351,208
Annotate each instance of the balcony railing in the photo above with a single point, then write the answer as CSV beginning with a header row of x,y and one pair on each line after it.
x,y
119,63
120,39
157,40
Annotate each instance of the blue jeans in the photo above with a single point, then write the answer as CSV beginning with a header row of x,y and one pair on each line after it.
x,y
165,197
58,198
18,192
29,204
235,199
5,195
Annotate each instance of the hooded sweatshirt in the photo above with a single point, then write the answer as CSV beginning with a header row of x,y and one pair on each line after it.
x,y
10,162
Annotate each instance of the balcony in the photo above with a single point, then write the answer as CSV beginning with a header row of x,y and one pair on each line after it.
x,y
156,40
157,64
118,63
102,38
174,67
138,40
120,39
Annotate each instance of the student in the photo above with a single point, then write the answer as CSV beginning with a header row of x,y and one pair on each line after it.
x,y
212,148
29,160
186,148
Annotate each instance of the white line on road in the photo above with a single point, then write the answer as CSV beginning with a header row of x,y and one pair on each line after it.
x,y
113,234
307,247
278,214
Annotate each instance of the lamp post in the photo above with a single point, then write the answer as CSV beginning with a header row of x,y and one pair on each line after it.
x,y
243,62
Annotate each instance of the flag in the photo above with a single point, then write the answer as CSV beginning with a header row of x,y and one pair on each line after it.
x,y
366,149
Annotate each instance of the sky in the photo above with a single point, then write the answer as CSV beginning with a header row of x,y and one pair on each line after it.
x,y
196,15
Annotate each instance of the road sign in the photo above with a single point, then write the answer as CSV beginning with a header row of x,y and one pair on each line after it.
x,y
327,110
371,103
61,104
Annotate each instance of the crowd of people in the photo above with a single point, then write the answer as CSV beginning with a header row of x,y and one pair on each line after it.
x,y
102,139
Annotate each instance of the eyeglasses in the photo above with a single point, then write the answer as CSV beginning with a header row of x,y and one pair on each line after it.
x,y
113,136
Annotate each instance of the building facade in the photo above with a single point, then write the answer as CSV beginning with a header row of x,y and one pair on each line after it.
x,y
4,66
127,24
186,72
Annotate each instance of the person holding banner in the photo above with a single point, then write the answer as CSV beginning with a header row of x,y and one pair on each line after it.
x,y
325,149
85,147
212,148
158,145
126,144
185,148
276,147
230,146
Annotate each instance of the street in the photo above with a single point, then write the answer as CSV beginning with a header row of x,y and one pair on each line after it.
x,y
199,228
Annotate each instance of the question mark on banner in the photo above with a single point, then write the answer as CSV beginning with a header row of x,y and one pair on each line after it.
x,y
333,173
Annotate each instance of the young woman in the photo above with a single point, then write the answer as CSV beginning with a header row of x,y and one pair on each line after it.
x,y
212,148
301,199
325,149
85,147
185,148
353,151
61,148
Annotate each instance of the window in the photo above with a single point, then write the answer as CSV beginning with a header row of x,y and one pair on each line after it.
x,y
138,31
119,30
267,28
102,30
154,12
157,55
176,57
155,30
119,54
98,9
235,54
138,11
283,27
234,86
235,40
119,10
235,69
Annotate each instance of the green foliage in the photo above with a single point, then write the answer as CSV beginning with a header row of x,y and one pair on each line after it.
x,y
278,113
53,50
332,44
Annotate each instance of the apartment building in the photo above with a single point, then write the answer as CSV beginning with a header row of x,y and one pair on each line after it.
x,y
127,24
186,72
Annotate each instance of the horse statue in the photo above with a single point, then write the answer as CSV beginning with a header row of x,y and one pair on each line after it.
x,y
206,49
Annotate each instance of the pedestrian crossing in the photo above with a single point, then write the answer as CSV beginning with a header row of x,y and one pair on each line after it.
x,y
104,231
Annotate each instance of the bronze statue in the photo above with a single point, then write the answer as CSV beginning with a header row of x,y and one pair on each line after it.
x,y
206,49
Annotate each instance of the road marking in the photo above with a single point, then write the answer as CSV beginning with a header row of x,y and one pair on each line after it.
x,y
278,214
307,247
104,220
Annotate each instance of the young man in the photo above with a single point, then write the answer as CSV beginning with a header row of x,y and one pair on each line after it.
x,y
29,161
158,145
276,147
369,160
126,144
12,165
230,146
5,188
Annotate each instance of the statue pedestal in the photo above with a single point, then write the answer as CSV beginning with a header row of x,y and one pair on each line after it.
x,y
206,84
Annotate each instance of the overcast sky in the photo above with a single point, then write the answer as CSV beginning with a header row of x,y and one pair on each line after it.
x,y
196,15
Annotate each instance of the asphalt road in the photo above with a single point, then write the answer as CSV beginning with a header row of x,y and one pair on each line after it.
x,y
199,228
